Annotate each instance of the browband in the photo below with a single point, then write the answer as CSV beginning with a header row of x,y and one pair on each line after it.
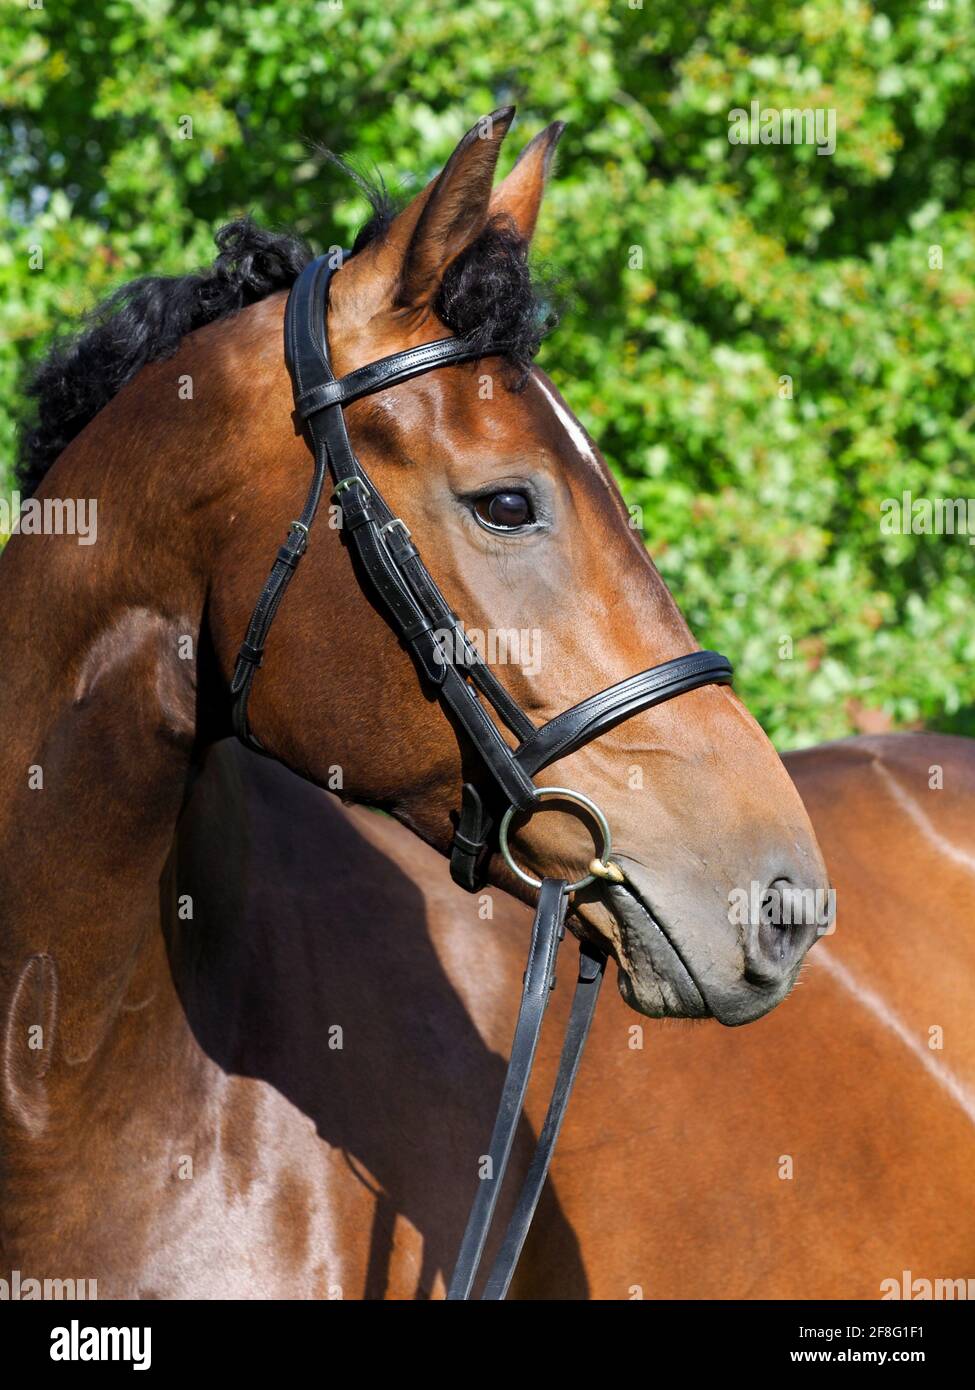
x,y
385,372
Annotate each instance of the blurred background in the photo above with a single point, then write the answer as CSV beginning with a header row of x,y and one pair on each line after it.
x,y
700,274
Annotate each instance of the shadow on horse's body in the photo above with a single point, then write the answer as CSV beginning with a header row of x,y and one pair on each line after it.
x,y
232,1149
304,924
814,1155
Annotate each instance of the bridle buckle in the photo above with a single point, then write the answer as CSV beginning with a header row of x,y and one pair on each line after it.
x,y
299,528
345,484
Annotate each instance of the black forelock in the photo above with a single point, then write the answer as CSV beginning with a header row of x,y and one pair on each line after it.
x,y
488,296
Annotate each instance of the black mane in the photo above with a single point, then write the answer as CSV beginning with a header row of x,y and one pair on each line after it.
x,y
140,323
487,295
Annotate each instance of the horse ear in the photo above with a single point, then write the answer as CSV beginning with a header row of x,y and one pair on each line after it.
x,y
519,196
445,218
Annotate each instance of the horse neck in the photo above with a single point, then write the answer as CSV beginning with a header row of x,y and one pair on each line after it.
x,y
101,657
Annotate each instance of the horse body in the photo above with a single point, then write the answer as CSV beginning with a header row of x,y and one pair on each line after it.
x,y
239,1145
828,1149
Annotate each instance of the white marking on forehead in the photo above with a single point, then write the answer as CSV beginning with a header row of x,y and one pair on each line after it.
x,y
569,423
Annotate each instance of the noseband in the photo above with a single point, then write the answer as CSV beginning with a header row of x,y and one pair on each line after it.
x,y
450,664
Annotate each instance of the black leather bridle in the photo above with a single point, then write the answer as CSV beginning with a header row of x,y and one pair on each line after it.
x,y
451,665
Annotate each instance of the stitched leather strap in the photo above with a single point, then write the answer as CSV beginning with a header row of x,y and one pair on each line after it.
x,y
412,601
591,966
547,931
586,721
385,372
251,654
470,839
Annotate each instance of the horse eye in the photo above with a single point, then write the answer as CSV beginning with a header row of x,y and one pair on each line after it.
x,y
505,511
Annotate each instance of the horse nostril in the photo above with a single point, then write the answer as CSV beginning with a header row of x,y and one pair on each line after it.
x,y
787,919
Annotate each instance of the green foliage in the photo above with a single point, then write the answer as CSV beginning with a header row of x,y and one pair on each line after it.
x,y
703,272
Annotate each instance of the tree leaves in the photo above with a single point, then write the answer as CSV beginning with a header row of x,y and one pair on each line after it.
x,y
767,342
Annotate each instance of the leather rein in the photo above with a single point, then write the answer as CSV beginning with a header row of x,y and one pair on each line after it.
x,y
422,619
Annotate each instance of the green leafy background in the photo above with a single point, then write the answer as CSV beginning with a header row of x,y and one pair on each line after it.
x,y
758,262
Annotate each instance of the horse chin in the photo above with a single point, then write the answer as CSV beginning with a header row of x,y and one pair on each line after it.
x,y
653,978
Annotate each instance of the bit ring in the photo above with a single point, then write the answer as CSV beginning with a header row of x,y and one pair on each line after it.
x,y
605,869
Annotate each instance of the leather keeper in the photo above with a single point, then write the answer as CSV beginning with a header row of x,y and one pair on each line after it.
x,y
356,510
253,655
290,557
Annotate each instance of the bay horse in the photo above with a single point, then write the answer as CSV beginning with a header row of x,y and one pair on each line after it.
x,y
820,1153
824,1153
173,412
